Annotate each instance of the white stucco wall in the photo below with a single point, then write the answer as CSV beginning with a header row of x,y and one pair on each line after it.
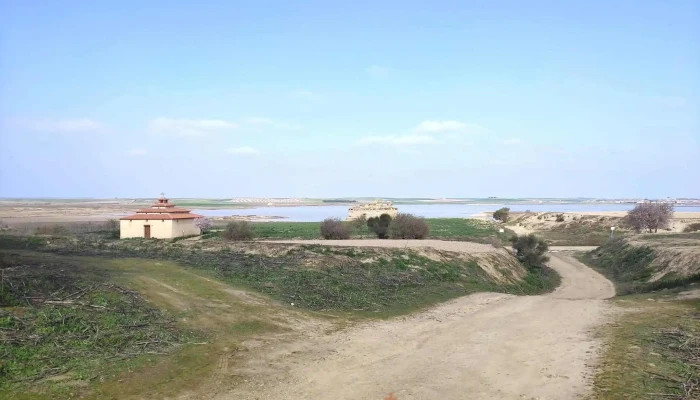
x,y
185,227
160,229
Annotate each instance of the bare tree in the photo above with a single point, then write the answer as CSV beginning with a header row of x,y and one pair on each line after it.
x,y
661,216
408,226
238,231
333,228
650,217
638,217
203,223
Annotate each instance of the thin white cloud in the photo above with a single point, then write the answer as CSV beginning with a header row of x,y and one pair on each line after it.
x,y
137,152
270,123
512,142
378,72
189,127
306,95
67,125
244,150
446,126
672,101
394,140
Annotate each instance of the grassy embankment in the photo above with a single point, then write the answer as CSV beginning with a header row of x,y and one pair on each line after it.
x,y
440,228
653,348
101,328
99,297
629,266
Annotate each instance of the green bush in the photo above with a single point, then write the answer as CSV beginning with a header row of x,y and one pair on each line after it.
x,y
530,250
380,225
237,231
560,218
112,228
502,214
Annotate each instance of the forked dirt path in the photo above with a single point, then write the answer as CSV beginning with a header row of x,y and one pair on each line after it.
x,y
483,346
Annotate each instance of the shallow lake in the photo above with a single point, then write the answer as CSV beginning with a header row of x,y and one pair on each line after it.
x,y
319,213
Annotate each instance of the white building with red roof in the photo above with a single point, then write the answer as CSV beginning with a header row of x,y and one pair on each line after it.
x,y
162,221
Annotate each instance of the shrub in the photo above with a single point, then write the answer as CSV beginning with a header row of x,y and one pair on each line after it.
x,y
112,227
237,230
502,214
359,224
530,250
408,226
694,227
380,225
53,230
560,218
333,228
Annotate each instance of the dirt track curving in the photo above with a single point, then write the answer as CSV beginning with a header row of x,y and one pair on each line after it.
x,y
483,346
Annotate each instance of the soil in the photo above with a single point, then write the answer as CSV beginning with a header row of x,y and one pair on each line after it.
x,y
483,346
461,247
524,223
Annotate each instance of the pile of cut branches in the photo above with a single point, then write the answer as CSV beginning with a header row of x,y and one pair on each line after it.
x,y
60,318
682,345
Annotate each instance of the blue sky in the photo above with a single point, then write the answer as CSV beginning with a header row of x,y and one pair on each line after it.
x,y
392,98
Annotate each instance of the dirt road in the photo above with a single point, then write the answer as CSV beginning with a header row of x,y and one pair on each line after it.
x,y
460,247
484,346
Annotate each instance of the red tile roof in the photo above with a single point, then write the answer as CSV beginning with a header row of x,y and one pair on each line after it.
x,y
162,210
161,216
170,209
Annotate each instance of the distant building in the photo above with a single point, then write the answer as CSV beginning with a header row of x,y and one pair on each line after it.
x,y
162,221
370,210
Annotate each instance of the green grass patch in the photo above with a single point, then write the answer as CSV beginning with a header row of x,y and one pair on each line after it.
x,y
690,239
252,327
440,228
460,228
652,351
286,230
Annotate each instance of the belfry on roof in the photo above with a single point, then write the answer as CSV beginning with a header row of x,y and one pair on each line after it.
x,y
161,220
